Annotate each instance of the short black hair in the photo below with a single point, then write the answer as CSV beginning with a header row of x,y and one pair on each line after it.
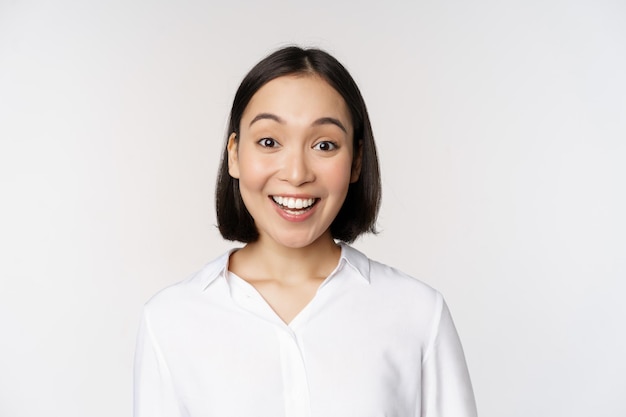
x,y
360,208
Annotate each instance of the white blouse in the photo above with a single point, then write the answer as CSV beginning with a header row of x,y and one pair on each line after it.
x,y
373,342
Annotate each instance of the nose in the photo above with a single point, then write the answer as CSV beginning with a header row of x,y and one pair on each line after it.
x,y
297,168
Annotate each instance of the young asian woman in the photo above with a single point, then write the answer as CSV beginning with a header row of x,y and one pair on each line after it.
x,y
298,323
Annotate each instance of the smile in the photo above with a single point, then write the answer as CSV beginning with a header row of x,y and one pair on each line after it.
x,y
294,205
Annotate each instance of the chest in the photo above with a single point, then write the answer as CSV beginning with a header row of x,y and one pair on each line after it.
x,y
287,301
339,362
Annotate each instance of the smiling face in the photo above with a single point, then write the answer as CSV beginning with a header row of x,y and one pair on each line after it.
x,y
294,159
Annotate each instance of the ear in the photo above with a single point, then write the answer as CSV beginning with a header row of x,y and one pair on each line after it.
x,y
233,157
356,162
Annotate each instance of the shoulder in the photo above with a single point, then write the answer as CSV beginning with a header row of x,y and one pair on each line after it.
x,y
394,282
192,287
391,281
398,300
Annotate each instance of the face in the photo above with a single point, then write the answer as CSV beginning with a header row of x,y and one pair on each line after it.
x,y
294,159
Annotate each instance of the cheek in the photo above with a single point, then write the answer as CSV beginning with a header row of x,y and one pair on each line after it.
x,y
338,175
252,172
253,179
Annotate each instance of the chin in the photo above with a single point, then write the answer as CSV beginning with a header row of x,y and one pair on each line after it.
x,y
297,242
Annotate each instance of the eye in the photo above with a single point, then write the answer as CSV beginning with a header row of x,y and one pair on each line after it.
x,y
325,146
268,143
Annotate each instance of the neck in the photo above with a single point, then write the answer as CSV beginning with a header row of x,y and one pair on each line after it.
x,y
265,259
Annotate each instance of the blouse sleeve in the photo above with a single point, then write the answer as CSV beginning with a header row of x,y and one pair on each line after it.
x,y
446,386
154,394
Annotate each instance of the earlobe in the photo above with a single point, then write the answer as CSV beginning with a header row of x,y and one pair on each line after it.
x,y
233,157
356,163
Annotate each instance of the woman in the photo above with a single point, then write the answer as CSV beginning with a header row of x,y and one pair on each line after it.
x,y
298,323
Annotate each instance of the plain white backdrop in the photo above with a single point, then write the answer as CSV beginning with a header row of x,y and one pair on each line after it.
x,y
501,128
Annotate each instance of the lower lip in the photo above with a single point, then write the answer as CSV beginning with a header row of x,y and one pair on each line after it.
x,y
293,217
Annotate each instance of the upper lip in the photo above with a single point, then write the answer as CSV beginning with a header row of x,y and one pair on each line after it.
x,y
301,196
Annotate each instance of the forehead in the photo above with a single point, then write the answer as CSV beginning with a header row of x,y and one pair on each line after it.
x,y
298,98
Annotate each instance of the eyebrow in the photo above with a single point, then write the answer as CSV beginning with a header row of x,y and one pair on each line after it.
x,y
263,116
330,121
319,122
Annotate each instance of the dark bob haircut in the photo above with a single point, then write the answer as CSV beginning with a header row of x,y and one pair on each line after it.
x,y
360,208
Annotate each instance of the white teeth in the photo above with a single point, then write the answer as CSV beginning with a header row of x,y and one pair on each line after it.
x,y
294,203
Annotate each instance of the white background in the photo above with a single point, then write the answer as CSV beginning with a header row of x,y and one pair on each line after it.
x,y
501,127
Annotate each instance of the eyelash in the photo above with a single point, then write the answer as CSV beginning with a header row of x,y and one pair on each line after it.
x,y
272,143
264,142
332,145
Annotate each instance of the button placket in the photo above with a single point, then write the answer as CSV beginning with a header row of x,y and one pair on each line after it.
x,y
295,382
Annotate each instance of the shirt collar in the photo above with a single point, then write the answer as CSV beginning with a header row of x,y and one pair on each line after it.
x,y
349,255
356,259
214,269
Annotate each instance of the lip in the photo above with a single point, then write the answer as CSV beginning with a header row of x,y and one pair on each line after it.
x,y
304,196
290,215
